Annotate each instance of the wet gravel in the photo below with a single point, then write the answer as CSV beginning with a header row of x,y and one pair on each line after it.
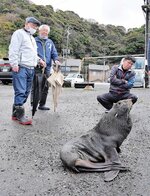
x,y
29,155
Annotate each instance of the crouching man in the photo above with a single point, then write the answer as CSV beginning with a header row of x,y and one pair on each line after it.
x,y
122,79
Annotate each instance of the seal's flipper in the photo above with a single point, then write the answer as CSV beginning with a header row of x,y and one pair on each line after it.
x,y
92,165
86,165
110,175
102,168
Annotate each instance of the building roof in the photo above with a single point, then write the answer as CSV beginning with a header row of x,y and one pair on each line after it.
x,y
98,67
72,63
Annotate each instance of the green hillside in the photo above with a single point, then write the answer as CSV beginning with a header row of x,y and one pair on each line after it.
x,y
86,38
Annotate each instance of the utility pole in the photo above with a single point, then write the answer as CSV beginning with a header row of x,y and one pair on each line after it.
x,y
67,50
104,63
68,33
146,9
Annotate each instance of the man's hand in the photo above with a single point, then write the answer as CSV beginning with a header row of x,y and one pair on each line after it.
x,y
15,68
57,62
125,81
148,72
57,66
42,63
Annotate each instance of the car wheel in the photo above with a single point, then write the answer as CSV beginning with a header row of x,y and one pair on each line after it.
x,y
5,82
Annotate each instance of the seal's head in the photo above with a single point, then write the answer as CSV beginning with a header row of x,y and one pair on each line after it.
x,y
123,107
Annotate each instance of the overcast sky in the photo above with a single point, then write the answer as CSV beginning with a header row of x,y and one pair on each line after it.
x,y
127,13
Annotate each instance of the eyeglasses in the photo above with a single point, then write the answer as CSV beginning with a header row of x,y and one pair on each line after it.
x,y
129,62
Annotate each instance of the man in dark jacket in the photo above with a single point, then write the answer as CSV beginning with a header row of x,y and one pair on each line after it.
x,y
47,52
121,81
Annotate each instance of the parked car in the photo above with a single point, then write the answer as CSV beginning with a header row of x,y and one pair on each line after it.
x,y
5,71
73,78
141,77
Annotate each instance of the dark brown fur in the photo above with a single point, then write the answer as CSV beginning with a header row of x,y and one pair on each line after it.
x,y
96,150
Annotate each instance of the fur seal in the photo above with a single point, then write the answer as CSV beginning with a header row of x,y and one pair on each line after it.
x,y
96,151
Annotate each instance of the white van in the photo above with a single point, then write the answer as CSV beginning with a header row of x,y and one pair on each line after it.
x,y
141,78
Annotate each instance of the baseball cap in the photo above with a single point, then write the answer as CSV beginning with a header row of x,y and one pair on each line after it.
x,y
33,20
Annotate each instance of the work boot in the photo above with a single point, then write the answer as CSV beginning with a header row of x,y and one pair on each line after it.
x,y
43,107
14,117
20,115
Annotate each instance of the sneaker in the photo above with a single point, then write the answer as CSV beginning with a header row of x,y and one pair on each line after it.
x,y
14,118
25,120
43,108
19,115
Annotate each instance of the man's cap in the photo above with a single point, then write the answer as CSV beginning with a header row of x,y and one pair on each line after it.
x,y
33,20
131,58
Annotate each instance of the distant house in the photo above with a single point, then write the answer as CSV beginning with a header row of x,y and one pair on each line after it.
x,y
98,73
71,66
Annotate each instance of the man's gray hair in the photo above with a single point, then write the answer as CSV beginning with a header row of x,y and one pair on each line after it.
x,y
44,26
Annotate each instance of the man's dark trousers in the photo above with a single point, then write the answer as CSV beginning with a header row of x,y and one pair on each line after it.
x,y
108,99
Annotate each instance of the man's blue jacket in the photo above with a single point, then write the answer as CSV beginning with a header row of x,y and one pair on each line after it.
x,y
47,52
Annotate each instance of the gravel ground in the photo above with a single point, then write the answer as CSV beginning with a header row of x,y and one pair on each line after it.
x,y
29,155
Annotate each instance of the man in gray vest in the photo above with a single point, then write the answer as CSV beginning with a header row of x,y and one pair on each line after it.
x,y
23,59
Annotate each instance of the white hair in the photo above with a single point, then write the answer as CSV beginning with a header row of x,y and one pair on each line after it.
x,y
44,26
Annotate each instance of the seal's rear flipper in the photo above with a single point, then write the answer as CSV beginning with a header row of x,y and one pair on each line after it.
x,y
110,175
86,165
102,168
